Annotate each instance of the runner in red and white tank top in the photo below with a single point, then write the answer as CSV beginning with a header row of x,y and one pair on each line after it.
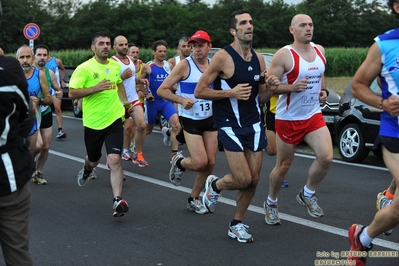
x,y
302,105
300,68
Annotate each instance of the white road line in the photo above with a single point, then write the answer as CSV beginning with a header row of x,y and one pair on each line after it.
x,y
286,217
346,163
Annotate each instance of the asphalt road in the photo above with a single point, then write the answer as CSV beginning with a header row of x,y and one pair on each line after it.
x,y
71,225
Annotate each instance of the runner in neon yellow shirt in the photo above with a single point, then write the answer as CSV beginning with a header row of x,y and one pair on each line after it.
x,y
100,109
98,82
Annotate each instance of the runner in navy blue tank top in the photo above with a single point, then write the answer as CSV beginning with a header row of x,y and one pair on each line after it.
x,y
237,72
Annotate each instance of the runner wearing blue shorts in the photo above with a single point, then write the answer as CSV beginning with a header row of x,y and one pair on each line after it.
x,y
156,72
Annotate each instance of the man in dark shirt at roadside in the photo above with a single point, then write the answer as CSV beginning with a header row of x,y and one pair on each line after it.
x,y
16,165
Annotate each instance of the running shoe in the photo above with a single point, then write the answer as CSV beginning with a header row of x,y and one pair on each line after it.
x,y
139,159
196,205
83,177
358,253
271,214
383,201
176,174
93,174
37,177
120,207
210,197
61,134
285,184
166,138
311,203
240,232
126,157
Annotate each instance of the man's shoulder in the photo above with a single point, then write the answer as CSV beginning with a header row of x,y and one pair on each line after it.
x,y
9,61
11,71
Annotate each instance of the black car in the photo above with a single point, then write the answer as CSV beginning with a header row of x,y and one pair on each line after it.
x,y
357,125
329,109
65,98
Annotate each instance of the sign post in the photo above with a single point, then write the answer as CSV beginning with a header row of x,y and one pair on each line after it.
x,y
31,32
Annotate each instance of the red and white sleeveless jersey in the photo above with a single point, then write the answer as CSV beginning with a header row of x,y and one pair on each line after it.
x,y
302,105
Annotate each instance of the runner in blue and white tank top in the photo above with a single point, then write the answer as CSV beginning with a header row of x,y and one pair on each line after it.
x,y
37,83
52,65
57,67
46,125
185,88
382,61
34,89
156,73
389,83
196,119
388,45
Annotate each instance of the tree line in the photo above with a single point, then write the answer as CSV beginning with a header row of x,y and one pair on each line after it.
x,y
69,24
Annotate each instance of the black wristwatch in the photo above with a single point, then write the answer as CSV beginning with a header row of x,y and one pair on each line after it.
x,y
326,91
41,102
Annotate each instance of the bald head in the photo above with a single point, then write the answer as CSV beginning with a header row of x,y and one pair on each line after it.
x,y
25,48
302,28
119,38
25,57
121,45
299,18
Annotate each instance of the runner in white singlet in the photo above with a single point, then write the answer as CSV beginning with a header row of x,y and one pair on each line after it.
x,y
300,67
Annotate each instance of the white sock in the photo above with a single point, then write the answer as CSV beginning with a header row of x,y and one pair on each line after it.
x,y
125,151
307,192
270,201
364,238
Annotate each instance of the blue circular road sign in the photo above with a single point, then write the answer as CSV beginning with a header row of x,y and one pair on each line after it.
x,y
31,31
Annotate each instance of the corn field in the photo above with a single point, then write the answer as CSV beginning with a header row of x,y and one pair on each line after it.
x,y
341,62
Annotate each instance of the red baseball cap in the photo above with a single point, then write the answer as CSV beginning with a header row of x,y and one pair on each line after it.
x,y
200,36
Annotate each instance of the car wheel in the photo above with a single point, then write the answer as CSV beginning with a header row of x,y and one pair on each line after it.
x,y
77,112
351,144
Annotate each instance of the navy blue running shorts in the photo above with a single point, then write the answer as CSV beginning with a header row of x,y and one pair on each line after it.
x,y
236,139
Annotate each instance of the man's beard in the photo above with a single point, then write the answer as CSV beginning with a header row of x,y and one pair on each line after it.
x,y
26,68
41,63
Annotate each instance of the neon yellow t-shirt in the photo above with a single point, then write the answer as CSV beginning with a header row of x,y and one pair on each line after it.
x,y
102,108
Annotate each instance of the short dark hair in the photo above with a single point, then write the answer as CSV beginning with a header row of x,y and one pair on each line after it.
x,y
131,45
183,39
99,34
155,44
233,20
390,5
41,46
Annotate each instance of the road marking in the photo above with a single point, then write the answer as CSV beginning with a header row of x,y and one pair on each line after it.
x,y
346,163
287,217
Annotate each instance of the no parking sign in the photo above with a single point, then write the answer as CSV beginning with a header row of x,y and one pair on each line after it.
x,y
31,32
